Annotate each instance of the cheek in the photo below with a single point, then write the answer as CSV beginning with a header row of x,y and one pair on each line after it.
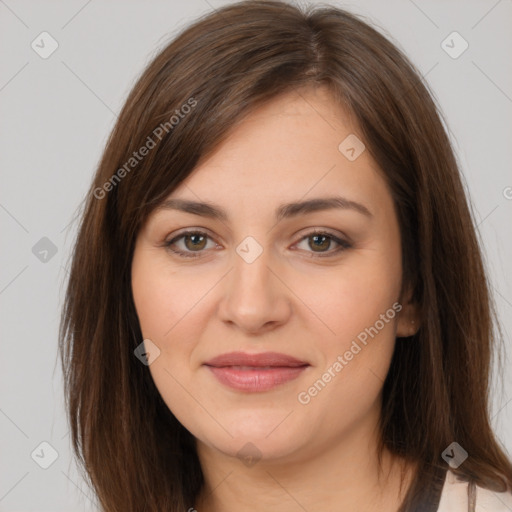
x,y
355,309
173,309
164,302
346,301
355,356
153,300
164,299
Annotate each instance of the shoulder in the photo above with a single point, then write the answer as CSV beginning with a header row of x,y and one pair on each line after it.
x,y
454,497
487,500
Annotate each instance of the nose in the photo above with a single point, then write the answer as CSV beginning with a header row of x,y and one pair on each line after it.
x,y
255,297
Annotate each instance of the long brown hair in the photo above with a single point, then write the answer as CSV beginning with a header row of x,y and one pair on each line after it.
x,y
133,451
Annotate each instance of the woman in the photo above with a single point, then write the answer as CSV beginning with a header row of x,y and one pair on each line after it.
x,y
277,299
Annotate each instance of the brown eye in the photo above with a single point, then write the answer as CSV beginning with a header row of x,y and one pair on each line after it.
x,y
319,243
194,243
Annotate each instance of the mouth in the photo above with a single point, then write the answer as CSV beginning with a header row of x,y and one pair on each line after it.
x,y
255,372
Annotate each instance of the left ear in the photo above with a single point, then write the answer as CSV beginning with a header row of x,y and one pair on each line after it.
x,y
409,318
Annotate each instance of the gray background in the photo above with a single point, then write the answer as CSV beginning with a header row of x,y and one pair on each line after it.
x,y
56,114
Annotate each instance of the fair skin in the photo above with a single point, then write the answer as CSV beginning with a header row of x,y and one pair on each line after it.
x,y
299,298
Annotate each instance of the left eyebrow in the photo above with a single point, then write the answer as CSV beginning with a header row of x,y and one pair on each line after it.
x,y
318,204
284,211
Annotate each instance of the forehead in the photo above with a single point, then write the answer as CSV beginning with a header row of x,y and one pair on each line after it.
x,y
291,147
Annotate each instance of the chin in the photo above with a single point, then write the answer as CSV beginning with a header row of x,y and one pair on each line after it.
x,y
258,435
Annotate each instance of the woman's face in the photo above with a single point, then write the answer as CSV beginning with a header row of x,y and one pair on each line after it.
x,y
257,279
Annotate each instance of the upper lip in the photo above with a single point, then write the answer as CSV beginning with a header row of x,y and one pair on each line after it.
x,y
256,360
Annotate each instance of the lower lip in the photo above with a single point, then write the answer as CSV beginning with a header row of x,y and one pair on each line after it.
x,y
254,380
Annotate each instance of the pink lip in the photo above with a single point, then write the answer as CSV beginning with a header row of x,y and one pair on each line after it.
x,y
255,372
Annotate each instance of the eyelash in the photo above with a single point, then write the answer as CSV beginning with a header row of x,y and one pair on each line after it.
x,y
343,244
